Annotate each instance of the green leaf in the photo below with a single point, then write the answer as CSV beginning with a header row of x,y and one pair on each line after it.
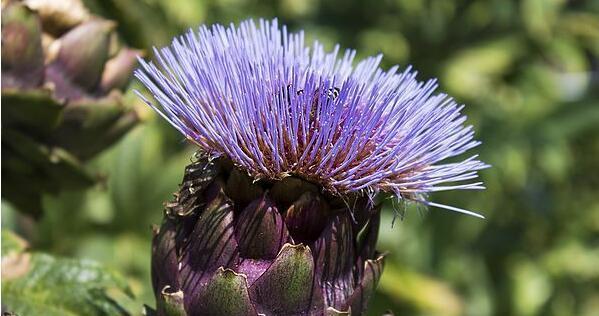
x,y
34,110
475,71
539,16
31,168
91,125
12,243
40,284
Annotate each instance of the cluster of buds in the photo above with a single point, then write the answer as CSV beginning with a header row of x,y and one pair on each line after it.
x,y
63,73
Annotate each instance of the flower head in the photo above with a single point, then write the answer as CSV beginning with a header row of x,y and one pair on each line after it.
x,y
257,95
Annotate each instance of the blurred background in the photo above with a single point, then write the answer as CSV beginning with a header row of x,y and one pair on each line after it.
x,y
528,72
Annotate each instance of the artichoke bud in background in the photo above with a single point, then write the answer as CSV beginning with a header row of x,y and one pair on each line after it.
x,y
279,214
63,74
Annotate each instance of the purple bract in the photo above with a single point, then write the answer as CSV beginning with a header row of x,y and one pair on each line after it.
x,y
259,96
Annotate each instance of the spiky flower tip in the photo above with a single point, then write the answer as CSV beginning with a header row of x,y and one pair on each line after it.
x,y
259,96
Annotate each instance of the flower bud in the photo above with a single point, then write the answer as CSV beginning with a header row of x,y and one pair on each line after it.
x,y
307,216
22,54
53,58
227,259
84,51
118,69
59,15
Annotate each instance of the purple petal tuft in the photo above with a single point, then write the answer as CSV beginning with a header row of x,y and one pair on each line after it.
x,y
259,96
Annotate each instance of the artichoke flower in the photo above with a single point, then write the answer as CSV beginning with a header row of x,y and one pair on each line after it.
x,y
297,149
63,72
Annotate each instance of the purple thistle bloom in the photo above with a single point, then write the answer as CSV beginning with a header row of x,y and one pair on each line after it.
x,y
275,107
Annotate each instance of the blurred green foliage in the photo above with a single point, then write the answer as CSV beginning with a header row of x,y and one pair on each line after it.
x,y
40,284
529,73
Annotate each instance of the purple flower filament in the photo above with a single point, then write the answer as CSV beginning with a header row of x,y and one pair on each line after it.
x,y
260,97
